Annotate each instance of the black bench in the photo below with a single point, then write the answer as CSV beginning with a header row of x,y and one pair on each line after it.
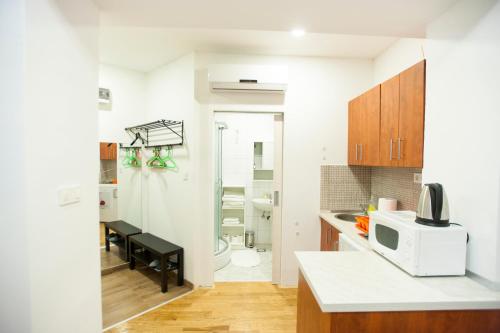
x,y
146,248
124,230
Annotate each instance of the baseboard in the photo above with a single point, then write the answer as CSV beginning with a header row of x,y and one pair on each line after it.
x,y
113,269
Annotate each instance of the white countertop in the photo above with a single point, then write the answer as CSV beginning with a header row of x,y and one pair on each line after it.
x,y
345,227
363,281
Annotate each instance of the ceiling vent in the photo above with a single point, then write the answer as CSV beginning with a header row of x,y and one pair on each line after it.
x,y
249,79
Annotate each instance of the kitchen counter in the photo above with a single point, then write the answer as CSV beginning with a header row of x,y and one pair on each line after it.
x,y
345,227
366,282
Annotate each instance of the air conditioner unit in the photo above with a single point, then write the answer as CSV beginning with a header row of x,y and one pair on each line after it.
x,y
248,78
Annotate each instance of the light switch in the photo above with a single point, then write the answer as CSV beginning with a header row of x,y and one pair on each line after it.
x,y
67,195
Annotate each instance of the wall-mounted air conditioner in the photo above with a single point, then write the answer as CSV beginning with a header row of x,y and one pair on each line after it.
x,y
248,78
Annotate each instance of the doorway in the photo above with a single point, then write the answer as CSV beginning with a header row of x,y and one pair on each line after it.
x,y
247,184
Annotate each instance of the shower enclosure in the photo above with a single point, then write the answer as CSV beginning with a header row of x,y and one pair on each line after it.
x,y
222,250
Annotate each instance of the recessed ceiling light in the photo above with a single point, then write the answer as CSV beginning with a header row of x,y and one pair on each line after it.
x,y
298,32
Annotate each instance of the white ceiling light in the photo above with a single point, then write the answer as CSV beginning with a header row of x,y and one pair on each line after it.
x,y
298,32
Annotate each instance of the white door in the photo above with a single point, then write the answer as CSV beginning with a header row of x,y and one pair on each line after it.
x,y
277,197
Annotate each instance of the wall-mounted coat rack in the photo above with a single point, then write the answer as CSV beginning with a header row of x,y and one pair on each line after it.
x,y
160,133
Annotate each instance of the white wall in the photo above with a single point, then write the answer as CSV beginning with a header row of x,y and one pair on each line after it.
x,y
15,313
128,108
56,145
462,117
171,196
403,53
315,132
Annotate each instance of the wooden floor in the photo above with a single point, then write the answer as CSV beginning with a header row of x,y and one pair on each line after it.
x,y
102,233
112,258
230,307
126,293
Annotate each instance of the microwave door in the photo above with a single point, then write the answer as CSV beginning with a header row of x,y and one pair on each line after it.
x,y
387,237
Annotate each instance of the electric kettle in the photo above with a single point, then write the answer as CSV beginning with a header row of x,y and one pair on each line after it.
x,y
433,207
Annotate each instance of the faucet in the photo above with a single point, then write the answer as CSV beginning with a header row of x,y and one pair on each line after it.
x,y
364,209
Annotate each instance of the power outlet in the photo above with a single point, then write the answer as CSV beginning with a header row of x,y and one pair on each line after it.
x,y
417,178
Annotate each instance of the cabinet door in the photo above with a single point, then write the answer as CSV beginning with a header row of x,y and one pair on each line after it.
x,y
113,151
324,235
334,239
103,150
389,121
370,127
411,116
354,131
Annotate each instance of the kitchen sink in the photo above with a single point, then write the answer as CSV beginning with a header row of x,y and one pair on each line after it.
x,y
346,217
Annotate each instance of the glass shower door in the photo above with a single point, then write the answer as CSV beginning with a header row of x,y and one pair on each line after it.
x,y
218,187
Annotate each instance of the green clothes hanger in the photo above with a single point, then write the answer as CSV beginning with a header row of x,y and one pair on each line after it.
x,y
156,161
169,160
131,158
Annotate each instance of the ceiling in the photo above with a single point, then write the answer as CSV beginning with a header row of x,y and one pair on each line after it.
x,y
145,34
144,49
400,18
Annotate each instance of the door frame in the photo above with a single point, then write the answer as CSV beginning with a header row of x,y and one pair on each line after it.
x,y
279,122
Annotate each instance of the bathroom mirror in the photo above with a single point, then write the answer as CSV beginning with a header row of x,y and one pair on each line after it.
x,y
263,160
120,198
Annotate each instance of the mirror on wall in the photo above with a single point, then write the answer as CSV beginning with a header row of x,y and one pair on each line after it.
x,y
263,160
120,199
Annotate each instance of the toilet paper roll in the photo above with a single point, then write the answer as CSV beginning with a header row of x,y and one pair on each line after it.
x,y
387,204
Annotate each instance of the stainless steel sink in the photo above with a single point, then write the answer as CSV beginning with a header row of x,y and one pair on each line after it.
x,y
346,217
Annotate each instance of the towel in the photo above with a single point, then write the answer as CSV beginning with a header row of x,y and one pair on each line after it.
x,y
231,220
233,198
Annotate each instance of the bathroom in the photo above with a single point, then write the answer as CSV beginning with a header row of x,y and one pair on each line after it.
x,y
244,151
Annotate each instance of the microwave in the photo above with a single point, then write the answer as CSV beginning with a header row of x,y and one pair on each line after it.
x,y
418,249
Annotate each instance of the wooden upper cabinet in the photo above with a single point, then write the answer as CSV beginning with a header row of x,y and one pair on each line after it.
x,y
354,131
108,151
411,116
389,122
364,127
386,123
370,125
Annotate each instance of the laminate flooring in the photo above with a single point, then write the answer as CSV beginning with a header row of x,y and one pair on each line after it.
x,y
126,293
229,307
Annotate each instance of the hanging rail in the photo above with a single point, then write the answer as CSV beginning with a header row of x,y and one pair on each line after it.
x,y
160,133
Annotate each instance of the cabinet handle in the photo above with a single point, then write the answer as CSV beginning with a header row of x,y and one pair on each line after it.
x,y
361,152
356,151
390,151
399,148
328,235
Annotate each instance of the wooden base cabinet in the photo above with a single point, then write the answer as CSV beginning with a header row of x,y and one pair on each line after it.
x,y
310,319
329,237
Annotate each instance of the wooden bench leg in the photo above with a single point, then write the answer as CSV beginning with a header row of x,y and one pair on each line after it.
x,y
131,250
180,268
106,238
164,274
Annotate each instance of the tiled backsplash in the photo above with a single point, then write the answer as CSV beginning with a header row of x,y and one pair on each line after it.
x,y
346,187
396,183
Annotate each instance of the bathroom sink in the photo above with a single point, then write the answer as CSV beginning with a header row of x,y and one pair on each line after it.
x,y
346,217
263,204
